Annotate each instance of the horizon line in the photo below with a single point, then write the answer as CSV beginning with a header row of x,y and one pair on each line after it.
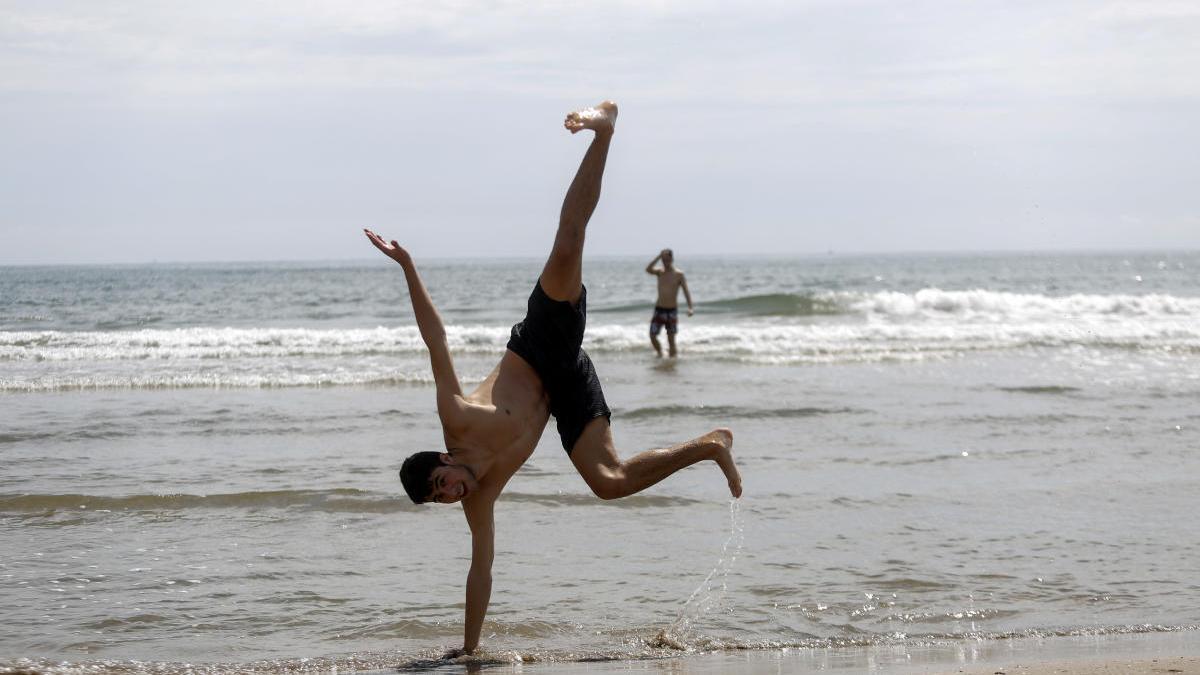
x,y
831,253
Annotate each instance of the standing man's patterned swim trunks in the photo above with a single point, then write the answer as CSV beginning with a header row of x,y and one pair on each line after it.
x,y
664,317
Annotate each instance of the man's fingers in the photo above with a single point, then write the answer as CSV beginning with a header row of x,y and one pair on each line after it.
x,y
379,243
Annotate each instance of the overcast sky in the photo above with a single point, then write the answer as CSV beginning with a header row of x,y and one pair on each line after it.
x,y
233,130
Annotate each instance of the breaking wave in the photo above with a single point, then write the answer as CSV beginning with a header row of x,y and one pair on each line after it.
x,y
932,303
764,329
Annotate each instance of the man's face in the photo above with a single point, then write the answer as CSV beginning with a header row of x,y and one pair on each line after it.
x,y
667,256
451,483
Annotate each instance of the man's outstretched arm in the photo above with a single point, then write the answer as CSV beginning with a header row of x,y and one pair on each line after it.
x,y
479,578
687,294
428,322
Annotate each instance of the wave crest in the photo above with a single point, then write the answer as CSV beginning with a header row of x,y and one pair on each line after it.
x,y
935,302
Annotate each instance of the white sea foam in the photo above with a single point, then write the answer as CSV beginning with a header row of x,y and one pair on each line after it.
x,y
227,343
737,339
936,303
928,324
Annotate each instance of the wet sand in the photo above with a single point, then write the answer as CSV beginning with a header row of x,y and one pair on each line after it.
x,y
1177,652
1188,665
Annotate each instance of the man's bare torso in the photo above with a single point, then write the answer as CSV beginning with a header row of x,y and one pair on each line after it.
x,y
669,282
508,412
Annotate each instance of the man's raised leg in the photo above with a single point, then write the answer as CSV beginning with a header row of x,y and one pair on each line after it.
x,y
562,277
596,460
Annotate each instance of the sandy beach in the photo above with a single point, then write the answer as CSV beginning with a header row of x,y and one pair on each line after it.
x,y
1177,664
1177,652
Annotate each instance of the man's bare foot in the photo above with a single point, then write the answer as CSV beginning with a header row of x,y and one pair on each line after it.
x,y
600,119
723,440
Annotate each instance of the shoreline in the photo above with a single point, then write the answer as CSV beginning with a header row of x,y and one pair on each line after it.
x,y
1130,653
1142,653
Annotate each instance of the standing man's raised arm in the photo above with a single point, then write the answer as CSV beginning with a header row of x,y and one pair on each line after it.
x,y
650,269
430,325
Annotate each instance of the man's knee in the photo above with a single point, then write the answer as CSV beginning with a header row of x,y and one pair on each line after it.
x,y
568,247
608,485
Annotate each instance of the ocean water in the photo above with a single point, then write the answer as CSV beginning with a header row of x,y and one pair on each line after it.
x,y
200,460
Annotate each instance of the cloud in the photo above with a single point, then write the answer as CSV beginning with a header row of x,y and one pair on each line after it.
x,y
1156,10
760,53
267,116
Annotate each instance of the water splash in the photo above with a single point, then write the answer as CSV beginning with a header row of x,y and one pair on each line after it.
x,y
712,592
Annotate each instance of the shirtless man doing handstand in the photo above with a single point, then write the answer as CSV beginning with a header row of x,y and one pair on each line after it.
x,y
490,432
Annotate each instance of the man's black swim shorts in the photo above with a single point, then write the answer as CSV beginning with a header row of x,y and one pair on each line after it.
x,y
549,340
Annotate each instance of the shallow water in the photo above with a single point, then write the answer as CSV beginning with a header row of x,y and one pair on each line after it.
x,y
200,461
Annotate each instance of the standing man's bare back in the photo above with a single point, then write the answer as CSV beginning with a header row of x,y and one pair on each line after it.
x,y
490,432
666,311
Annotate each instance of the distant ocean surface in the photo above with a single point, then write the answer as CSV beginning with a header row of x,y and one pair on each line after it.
x,y
200,461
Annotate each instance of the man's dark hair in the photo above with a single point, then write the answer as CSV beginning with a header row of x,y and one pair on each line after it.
x,y
416,473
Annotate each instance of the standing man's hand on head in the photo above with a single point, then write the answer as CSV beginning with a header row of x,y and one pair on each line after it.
x,y
651,269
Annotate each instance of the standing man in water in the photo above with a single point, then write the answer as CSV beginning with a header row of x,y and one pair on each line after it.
x,y
666,312
490,432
